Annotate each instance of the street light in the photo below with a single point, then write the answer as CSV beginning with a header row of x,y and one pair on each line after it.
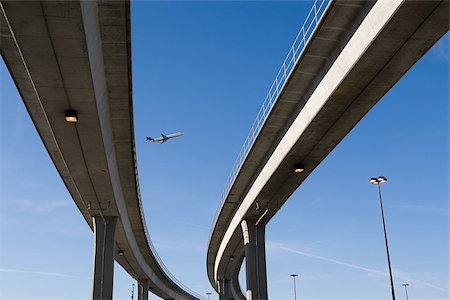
x,y
209,296
295,289
406,289
377,181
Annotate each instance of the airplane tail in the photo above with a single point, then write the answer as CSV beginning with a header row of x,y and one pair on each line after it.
x,y
149,139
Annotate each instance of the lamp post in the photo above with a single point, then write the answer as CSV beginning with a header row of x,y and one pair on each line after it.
x,y
406,289
209,296
295,288
377,181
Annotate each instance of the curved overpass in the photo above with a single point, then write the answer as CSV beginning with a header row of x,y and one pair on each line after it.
x,y
72,55
337,70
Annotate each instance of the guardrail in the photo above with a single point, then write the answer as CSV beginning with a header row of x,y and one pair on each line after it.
x,y
296,49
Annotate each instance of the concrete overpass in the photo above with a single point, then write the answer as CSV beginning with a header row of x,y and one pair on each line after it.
x,y
347,55
75,57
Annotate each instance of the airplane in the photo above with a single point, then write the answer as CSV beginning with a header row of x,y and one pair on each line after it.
x,y
164,137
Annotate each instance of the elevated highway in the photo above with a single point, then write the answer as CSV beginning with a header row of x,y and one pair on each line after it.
x,y
347,55
75,57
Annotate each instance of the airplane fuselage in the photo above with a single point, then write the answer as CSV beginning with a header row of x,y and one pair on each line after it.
x,y
164,137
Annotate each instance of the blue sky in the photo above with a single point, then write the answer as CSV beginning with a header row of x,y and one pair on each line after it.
x,y
204,68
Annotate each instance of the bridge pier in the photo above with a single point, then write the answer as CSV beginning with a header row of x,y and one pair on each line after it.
x,y
143,287
236,288
225,290
104,243
255,259
230,290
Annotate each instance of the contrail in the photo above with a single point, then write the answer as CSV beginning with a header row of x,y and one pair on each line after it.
x,y
349,265
42,273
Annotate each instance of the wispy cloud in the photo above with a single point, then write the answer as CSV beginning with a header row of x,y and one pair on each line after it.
x,y
399,274
338,262
422,208
40,206
42,273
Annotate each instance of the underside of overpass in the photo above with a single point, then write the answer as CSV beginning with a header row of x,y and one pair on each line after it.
x,y
76,56
356,53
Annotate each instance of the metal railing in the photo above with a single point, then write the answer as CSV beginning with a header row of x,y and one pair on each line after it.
x,y
296,49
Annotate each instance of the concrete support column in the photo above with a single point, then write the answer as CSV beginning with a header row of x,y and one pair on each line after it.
x,y
255,259
225,290
143,287
104,242
236,289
